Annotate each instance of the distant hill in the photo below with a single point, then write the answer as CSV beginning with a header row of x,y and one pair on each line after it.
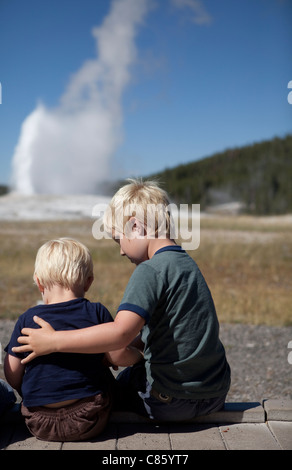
x,y
3,189
259,176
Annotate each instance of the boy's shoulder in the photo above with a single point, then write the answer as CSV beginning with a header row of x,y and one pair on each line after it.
x,y
30,313
167,261
78,308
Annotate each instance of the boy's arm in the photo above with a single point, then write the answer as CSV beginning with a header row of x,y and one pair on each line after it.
x,y
14,370
124,357
95,339
138,343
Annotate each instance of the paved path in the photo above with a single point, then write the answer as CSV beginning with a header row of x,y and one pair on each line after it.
x,y
240,426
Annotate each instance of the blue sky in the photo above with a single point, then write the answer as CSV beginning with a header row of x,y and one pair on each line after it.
x,y
191,78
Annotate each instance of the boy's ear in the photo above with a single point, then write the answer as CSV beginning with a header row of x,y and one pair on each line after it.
x,y
137,229
88,283
40,287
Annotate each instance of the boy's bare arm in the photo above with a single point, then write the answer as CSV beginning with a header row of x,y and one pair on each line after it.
x,y
138,343
124,357
14,370
96,339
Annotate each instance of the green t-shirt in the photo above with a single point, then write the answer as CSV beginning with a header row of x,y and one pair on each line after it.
x,y
184,357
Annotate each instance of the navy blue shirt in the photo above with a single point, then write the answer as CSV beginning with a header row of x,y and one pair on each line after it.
x,y
62,376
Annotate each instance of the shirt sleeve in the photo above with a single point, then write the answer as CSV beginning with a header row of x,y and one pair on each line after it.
x,y
143,292
13,340
103,314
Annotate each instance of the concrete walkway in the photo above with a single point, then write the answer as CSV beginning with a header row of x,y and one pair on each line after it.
x,y
240,426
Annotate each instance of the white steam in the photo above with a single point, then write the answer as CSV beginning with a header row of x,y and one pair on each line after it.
x,y
68,149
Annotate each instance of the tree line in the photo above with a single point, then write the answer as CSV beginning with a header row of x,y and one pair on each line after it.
x,y
258,175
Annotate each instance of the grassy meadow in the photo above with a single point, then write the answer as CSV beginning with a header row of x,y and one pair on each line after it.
x,y
247,262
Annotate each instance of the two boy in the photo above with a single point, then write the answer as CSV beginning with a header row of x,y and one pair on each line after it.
x,y
167,311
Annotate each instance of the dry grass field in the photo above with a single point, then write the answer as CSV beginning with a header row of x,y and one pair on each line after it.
x,y
247,262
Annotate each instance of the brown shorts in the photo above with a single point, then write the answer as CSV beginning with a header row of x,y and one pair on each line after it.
x,y
82,420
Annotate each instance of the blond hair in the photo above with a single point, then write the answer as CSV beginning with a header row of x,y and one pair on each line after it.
x,y
65,262
144,200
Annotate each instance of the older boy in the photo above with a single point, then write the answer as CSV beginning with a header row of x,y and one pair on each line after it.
x,y
186,373
66,397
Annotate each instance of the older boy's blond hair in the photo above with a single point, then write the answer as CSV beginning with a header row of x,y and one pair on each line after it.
x,y
65,262
144,200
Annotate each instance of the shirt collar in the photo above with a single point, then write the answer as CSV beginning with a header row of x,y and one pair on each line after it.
x,y
170,248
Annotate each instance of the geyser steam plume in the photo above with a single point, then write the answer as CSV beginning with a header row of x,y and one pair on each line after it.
x,y
68,149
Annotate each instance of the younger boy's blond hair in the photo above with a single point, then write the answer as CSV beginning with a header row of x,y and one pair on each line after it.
x,y
144,200
65,262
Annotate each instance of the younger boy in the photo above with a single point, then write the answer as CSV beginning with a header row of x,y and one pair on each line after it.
x,y
186,373
66,397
